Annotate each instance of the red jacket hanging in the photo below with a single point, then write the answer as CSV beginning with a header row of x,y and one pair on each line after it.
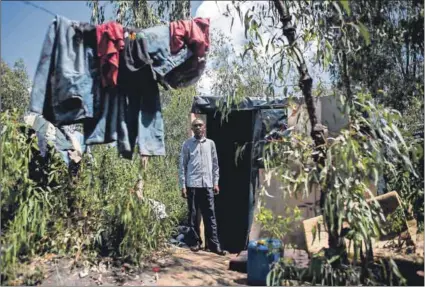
x,y
110,41
194,33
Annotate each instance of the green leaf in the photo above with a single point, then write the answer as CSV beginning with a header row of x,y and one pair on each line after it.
x,y
333,259
346,5
259,37
395,269
335,4
247,23
231,24
364,32
398,134
250,47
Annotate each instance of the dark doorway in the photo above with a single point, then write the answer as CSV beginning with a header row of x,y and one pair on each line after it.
x,y
232,204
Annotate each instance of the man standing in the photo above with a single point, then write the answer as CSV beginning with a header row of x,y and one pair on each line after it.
x,y
198,179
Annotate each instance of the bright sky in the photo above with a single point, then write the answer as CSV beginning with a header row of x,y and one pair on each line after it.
x,y
214,10
24,27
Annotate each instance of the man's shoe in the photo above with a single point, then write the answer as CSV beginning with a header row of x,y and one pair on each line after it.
x,y
220,252
195,248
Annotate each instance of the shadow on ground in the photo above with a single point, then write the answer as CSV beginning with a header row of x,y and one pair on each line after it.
x,y
201,268
180,268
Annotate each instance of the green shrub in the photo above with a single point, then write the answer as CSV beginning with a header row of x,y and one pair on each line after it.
x,y
31,193
99,213
353,163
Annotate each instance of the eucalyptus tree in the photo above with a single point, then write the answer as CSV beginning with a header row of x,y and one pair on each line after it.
x,y
347,166
15,87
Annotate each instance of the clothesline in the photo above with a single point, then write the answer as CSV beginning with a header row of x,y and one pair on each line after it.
x,y
170,55
55,14
39,7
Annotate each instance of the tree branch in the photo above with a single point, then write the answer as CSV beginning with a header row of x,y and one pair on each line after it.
x,y
306,82
336,242
346,78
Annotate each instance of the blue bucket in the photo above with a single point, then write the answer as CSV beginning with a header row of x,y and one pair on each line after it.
x,y
261,254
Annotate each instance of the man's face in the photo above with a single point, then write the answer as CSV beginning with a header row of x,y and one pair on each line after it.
x,y
198,128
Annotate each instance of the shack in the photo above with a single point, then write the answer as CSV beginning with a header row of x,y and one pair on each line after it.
x,y
239,138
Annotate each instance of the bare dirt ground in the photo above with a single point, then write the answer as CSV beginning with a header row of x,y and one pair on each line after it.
x,y
176,267
180,267
202,268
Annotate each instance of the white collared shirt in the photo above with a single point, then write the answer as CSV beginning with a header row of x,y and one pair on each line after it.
x,y
198,163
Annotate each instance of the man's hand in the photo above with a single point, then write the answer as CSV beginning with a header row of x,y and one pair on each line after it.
x,y
184,193
216,189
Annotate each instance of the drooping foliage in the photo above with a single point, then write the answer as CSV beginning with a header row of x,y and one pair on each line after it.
x,y
347,168
98,212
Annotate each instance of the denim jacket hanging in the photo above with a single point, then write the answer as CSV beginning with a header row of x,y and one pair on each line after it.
x,y
63,82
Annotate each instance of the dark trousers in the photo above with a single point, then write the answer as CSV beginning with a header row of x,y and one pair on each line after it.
x,y
203,199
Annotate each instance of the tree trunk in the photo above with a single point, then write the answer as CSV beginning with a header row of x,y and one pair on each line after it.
x,y
407,41
414,65
346,77
336,243
306,82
